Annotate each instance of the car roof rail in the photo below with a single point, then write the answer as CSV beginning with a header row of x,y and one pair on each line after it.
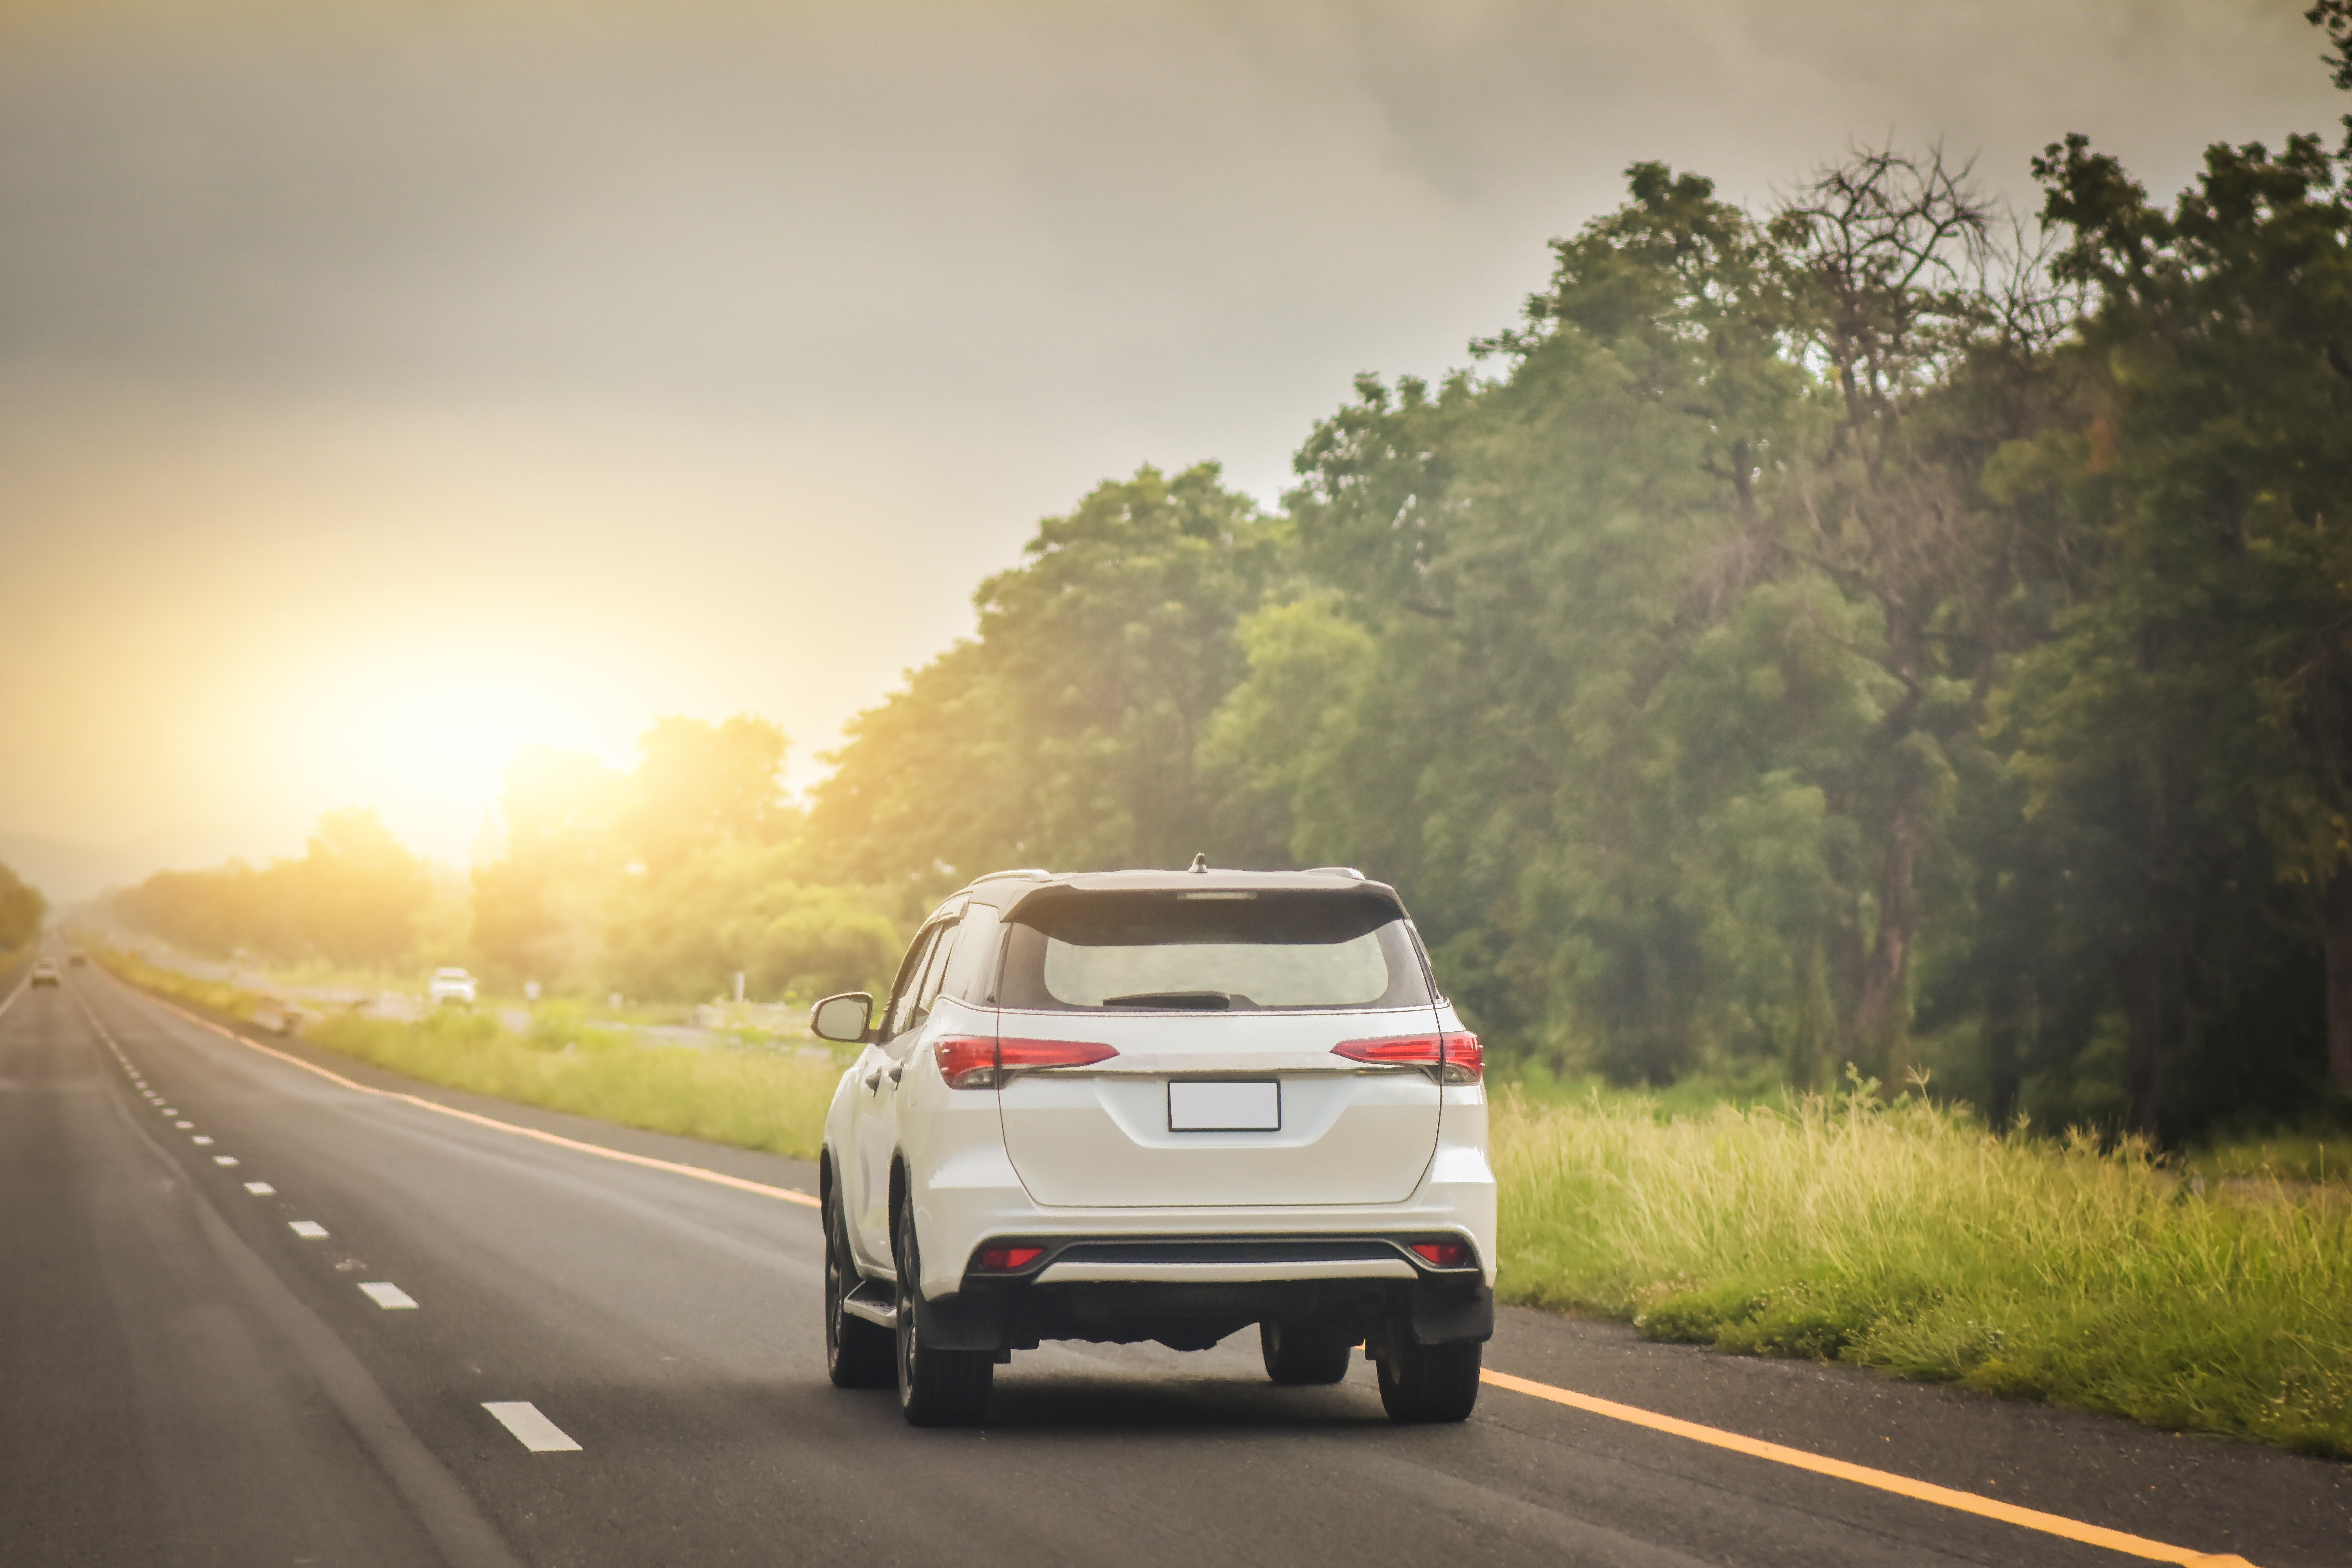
x,y
1334,871
1030,874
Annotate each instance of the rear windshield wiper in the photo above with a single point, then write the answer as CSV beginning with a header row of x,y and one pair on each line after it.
x,y
1201,1001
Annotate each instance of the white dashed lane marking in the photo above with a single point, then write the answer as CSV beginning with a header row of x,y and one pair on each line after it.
x,y
311,1228
223,1159
259,1189
534,1431
388,1296
183,1124
200,1138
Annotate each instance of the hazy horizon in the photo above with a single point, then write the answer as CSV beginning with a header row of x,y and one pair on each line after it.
x,y
385,388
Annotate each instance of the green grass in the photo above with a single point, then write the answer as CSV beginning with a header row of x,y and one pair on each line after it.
x,y
1906,1237
2287,1158
752,1098
232,1001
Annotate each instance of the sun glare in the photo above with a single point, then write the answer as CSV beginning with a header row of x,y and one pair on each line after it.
x,y
426,740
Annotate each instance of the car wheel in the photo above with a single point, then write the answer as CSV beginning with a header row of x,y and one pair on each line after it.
x,y
857,1354
936,1388
1296,1354
1430,1383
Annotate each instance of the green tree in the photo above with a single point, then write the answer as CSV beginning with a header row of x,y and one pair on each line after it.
x,y
2207,689
696,785
22,910
1069,732
353,897
540,908
1524,558
739,908
359,890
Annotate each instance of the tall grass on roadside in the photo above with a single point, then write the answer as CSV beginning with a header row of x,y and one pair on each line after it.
x,y
231,1001
1906,1237
754,1099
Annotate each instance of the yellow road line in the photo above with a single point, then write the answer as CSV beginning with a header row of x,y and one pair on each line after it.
x,y
716,1178
1862,1475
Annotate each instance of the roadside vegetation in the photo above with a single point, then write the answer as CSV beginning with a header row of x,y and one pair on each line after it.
x,y
1905,1236
22,910
753,1098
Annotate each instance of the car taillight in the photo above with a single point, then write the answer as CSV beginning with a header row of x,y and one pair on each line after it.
x,y
1443,1254
974,1061
1397,1050
1006,1259
1012,1054
1465,1059
966,1061
1458,1057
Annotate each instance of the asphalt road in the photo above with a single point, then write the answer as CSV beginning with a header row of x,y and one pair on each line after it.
x,y
186,1379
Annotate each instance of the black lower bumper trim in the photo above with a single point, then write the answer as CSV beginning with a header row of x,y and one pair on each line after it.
x,y
1018,1314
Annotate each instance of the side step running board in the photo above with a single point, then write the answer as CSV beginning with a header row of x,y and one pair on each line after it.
x,y
875,1301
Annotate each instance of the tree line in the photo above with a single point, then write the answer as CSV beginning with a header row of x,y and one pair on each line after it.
x,y
355,898
1878,630
660,882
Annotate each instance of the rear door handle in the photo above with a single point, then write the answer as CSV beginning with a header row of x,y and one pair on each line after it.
x,y
872,1080
896,1070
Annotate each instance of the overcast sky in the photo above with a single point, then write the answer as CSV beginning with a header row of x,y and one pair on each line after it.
x,y
383,386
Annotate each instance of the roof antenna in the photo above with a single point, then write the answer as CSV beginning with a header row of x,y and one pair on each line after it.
x,y
1200,864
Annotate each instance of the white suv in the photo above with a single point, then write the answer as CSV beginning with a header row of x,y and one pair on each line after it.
x,y
450,985
1156,1105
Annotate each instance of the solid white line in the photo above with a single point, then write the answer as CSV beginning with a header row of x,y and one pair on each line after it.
x,y
716,1178
534,1431
311,1228
13,995
387,1294
260,1189
223,1159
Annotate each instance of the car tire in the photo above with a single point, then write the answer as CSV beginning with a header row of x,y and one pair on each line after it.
x,y
936,1388
1430,1383
858,1354
1296,1354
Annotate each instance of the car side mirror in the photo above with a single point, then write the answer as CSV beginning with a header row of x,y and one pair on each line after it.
x,y
845,1018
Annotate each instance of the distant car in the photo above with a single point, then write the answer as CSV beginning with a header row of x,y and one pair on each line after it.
x,y
45,973
76,961
451,986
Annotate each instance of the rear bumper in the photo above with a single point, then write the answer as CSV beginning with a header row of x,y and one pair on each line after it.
x,y
1188,1292
974,1196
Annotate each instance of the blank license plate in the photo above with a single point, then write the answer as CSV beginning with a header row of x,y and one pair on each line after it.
x,y
1224,1107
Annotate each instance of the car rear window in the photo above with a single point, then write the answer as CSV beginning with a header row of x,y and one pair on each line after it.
x,y
1211,951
